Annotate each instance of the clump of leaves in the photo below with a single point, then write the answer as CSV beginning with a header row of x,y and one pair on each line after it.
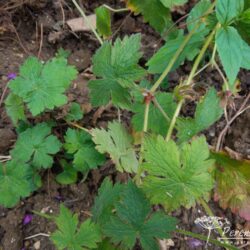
x,y
81,146
70,235
36,146
176,175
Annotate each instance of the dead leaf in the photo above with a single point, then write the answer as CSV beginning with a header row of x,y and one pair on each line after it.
x,y
79,24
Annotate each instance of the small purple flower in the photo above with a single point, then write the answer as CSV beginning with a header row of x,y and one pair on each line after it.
x,y
27,219
11,76
193,243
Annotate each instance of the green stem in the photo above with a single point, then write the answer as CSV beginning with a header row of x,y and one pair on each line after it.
x,y
137,177
173,60
80,127
204,238
157,105
115,10
189,81
87,21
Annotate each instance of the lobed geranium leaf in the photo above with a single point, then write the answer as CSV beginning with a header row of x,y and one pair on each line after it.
x,y
118,69
227,10
103,21
230,45
14,182
159,61
153,11
133,221
36,146
42,86
73,237
208,111
69,174
157,123
15,108
176,176
232,184
117,142
80,144
104,203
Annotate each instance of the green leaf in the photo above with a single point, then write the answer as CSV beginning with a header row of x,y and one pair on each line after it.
x,y
117,142
80,144
208,111
133,221
176,176
153,11
195,16
15,108
229,45
42,86
103,21
246,56
69,174
159,61
14,182
36,145
75,112
71,237
227,10
166,101
107,197
243,25
172,3
118,69
232,184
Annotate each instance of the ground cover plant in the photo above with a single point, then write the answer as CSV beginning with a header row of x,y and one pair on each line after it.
x,y
164,155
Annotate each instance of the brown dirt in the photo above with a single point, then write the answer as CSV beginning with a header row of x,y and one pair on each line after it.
x,y
19,38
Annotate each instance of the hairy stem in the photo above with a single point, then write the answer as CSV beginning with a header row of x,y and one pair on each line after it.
x,y
204,238
189,81
87,21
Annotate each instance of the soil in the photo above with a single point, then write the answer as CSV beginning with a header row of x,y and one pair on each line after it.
x,y
20,37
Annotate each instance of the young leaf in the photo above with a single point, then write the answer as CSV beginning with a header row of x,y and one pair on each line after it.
x,y
227,10
103,21
153,12
70,236
36,145
117,142
176,176
208,111
42,86
232,184
14,182
107,197
118,69
159,61
69,174
15,108
172,3
195,16
229,44
166,101
133,221
75,112
80,144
